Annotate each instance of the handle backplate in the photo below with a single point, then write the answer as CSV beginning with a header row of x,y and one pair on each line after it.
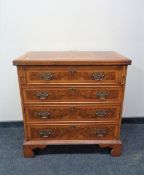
x,y
46,75
45,133
97,76
102,95
101,132
42,95
43,114
101,113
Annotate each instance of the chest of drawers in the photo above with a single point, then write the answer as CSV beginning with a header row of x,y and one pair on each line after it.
x,y
72,98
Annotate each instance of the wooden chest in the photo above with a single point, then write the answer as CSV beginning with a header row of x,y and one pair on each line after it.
x,y
72,98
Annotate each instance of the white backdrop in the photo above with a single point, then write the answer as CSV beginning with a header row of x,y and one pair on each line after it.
x,y
71,25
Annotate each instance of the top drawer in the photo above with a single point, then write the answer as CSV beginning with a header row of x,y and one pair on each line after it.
x,y
72,74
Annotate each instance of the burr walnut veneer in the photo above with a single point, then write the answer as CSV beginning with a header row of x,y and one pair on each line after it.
x,y
72,98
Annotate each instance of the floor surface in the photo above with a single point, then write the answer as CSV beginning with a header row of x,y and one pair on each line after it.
x,y
73,160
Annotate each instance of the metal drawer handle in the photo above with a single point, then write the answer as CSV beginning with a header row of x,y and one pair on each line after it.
x,y
42,95
45,133
97,75
101,132
101,113
46,75
102,95
43,114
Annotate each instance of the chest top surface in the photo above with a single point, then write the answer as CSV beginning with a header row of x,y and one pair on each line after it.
x,y
72,58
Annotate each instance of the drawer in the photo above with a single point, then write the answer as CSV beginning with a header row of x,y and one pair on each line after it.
x,y
72,113
73,74
73,132
75,94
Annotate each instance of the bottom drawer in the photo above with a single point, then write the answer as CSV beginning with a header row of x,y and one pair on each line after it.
x,y
89,131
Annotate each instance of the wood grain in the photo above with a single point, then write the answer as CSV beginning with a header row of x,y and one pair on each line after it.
x,y
72,58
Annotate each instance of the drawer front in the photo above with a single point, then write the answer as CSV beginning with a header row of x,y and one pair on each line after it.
x,y
69,94
69,74
72,132
72,113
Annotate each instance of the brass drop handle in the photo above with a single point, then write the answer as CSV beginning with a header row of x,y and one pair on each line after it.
x,y
97,76
43,114
46,75
42,95
101,132
101,113
102,95
45,133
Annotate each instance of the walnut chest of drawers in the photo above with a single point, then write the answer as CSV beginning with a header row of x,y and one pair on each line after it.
x,y
73,97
